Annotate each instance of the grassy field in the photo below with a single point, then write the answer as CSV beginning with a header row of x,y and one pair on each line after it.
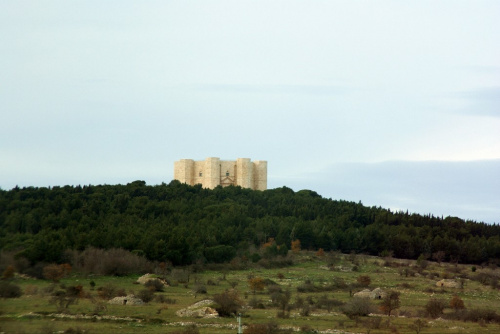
x,y
36,312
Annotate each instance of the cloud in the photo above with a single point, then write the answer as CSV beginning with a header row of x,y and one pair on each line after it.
x,y
269,89
481,102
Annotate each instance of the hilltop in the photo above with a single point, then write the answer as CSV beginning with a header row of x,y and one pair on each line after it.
x,y
185,224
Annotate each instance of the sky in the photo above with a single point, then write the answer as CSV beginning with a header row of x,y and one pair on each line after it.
x,y
391,103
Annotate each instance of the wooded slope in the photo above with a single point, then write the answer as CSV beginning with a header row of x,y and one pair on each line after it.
x,y
184,224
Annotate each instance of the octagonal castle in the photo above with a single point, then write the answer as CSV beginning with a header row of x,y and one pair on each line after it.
x,y
213,172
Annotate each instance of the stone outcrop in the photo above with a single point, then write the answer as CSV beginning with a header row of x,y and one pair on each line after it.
x,y
201,309
127,300
448,283
374,294
150,277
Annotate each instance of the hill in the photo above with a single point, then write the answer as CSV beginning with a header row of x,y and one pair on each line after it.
x,y
185,224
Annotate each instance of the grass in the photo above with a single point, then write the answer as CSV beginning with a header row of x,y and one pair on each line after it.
x,y
34,313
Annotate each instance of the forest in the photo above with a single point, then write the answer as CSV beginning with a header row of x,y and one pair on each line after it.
x,y
184,224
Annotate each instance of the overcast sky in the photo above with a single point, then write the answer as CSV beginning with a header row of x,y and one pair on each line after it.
x,y
392,103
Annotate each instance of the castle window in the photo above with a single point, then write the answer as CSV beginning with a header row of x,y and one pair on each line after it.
x,y
201,174
227,173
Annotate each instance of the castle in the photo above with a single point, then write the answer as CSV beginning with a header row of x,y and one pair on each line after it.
x,y
213,172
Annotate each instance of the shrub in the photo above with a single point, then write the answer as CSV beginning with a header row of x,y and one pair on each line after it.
x,y
273,288
475,315
8,273
418,325
305,310
256,284
328,304
64,298
364,280
146,295
390,302
308,286
154,284
200,289
110,291
457,303
165,300
54,272
111,262
256,303
434,307
228,303
357,307
10,290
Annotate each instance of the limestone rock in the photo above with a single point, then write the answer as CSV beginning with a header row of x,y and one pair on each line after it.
x,y
127,300
199,310
375,294
150,277
448,283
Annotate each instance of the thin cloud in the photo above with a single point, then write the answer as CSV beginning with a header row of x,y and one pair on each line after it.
x,y
269,89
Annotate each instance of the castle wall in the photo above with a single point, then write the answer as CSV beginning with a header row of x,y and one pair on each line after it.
x,y
245,173
184,171
213,172
260,175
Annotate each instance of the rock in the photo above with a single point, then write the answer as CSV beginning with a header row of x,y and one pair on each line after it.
x,y
127,300
366,293
375,294
448,283
199,310
150,277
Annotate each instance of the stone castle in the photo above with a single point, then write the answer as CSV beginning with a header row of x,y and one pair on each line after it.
x,y
213,172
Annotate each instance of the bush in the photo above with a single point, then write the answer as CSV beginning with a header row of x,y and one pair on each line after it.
x,y
434,307
10,290
8,273
418,325
475,315
364,280
54,272
111,262
110,291
200,289
154,285
146,295
256,303
390,302
228,303
457,303
308,286
357,307
165,300
328,304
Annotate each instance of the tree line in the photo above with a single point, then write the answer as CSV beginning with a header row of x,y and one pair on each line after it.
x,y
184,224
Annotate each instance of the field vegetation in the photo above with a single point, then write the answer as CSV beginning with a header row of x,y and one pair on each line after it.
x,y
304,292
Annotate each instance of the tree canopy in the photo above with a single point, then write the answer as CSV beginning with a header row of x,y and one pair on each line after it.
x,y
183,224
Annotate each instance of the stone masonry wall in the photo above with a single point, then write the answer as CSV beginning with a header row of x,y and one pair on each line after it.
x,y
213,172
